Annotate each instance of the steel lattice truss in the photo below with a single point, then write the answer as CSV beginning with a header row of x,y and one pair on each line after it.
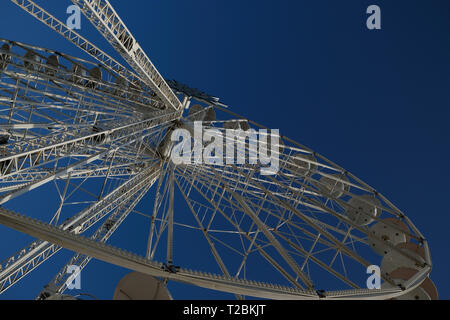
x,y
95,134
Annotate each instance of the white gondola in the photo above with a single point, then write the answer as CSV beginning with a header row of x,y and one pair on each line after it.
x,y
196,113
120,86
236,124
96,75
53,63
31,61
5,58
389,231
394,259
362,209
231,125
301,165
244,125
210,115
334,186
102,138
138,286
135,90
165,147
426,291
78,74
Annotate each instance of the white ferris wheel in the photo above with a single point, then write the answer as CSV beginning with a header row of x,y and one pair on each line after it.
x,y
95,135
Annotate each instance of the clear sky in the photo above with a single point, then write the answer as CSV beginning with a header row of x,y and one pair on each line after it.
x,y
375,102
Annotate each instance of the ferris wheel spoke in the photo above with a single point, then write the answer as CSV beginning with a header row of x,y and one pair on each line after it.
x,y
251,188
262,199
61,280
26,260
259,248
153,239
273,213
318,229
309,255
322,205
62,197
170,214
247,253
303,231
213,249
272,239
341,218
364,231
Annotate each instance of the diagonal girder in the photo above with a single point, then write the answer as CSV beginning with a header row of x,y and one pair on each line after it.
x,y
105,19
20,264
59,283
21,157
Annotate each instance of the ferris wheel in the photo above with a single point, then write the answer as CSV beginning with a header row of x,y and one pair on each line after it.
x,y
94,137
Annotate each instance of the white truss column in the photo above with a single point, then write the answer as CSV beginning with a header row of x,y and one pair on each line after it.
x,y
105,19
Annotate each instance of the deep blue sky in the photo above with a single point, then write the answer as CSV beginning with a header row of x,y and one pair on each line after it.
x,y
375,102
